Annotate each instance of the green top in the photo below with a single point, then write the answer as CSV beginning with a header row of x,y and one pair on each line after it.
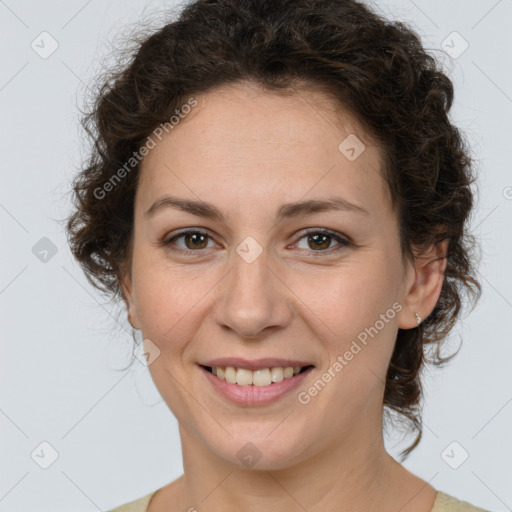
x,y
443,503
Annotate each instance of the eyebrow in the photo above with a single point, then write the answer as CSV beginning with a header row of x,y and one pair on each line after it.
x,y
288,210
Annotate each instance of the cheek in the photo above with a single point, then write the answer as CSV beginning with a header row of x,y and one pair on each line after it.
x,y
170,302
348,298
162,302
353,311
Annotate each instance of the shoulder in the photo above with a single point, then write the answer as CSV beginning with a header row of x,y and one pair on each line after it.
x,y
443,503
139,505
446,503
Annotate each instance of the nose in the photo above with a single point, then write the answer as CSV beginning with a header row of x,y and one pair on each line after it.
x,y
253,301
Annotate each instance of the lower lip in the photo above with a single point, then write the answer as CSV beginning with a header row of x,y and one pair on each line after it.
x,y
255,395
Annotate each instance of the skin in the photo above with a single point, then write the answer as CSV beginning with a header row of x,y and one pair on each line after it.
x,y
247,152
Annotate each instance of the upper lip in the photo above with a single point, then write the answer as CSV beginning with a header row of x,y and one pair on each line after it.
x,y
255,364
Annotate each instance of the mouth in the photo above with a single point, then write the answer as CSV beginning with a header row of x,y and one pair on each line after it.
x,y
255,383
261,376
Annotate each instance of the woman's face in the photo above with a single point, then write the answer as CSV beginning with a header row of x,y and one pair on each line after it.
x,y
264,281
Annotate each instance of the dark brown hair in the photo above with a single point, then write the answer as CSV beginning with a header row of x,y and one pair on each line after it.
x,y
377,69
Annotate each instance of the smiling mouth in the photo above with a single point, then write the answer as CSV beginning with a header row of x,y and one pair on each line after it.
x,y
260,377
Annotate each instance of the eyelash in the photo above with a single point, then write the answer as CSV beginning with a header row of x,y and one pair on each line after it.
x,y
343,242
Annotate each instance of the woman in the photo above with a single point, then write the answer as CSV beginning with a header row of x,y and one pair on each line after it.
x,y
279,198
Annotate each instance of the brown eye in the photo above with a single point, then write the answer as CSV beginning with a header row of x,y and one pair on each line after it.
x,y
194,241
320,241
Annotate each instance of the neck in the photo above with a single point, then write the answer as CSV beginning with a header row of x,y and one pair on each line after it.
x,y
366,478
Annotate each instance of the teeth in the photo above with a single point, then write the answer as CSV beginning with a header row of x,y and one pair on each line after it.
x,y
262,377
243,377
230,375
277,374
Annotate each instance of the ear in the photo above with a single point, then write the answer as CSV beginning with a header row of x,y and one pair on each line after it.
x,y
129,298
424,285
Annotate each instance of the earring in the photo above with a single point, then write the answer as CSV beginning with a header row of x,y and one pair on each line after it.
x,y
418,318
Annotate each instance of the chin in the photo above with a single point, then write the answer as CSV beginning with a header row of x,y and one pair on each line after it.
x,y
259,452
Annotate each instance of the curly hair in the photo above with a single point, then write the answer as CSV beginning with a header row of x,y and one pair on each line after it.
x,y
375,68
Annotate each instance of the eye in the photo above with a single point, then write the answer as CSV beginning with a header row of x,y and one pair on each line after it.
x,y
194,240
319,240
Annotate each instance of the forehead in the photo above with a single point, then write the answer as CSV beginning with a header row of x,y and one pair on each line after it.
x,y
262,145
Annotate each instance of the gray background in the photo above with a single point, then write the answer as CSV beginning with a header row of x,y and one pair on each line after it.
x,y
62,342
